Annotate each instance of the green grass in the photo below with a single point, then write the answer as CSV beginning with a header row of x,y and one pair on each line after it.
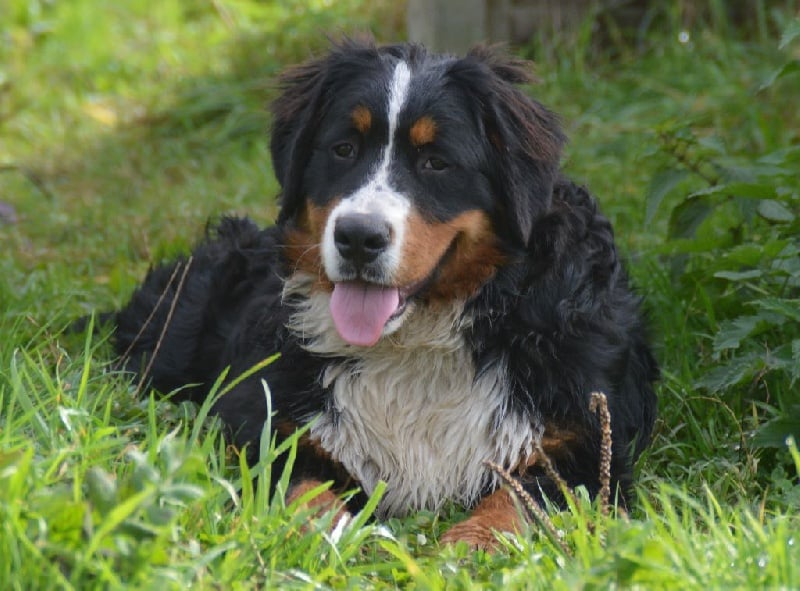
x,y
125,126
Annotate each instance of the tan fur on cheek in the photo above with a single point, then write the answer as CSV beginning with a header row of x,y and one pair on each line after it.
x,y
472,262
425,244
303,242
495,513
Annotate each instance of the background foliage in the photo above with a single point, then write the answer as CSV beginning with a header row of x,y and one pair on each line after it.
x,y
125,126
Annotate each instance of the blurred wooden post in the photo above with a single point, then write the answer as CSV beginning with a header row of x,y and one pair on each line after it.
x,y
456,25
445,25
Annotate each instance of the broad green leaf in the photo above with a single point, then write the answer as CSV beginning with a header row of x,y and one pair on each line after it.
x,y
660,185
159,515
782,157
739,275
688,216
784,70
790,33
748,255
736,371
775,211
754,190
775,432
714,143
795,369
732,332
751,254
787,308
101,488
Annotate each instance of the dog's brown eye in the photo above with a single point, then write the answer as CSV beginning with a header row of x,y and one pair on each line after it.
x,y
436,164
344,150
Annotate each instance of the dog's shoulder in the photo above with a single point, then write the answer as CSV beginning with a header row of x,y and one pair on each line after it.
x,y
563,317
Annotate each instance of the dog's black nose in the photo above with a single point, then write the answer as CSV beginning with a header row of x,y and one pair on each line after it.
x,y
361,237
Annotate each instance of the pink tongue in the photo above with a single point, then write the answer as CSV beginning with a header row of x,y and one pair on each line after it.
x,y
360,311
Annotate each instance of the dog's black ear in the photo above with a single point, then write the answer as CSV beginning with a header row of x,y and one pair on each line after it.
x,y
525,137
299,109
294,114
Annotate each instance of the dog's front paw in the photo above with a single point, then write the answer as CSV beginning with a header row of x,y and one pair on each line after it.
x,y
495,513
474,532
301,493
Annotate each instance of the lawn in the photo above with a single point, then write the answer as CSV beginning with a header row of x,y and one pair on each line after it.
x,y
125,126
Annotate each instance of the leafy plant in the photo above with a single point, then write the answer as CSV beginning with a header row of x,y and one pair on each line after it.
x,y
732,241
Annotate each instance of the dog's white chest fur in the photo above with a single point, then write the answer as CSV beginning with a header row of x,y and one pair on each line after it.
x,y
421,422
411,412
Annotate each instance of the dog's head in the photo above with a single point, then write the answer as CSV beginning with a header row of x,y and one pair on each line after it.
x,y
408,177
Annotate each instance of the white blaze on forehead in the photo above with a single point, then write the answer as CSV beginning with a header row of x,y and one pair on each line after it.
x,y
398,92
376,196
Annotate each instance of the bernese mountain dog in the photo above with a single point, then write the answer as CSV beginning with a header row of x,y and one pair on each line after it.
x,y
439,295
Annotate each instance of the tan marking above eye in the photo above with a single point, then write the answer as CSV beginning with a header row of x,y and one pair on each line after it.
x,y
423,131
362,118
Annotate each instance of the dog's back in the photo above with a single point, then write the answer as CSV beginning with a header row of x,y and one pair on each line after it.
x,y
177,327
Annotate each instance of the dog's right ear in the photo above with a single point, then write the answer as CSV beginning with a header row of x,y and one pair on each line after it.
x,y
298,111
294,116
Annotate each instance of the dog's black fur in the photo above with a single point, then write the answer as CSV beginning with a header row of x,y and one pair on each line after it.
x,y
546,297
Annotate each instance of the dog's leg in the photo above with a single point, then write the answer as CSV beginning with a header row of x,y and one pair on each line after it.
x,y
497,512
319,504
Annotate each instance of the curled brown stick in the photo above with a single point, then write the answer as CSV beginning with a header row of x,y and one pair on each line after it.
x,y
599,404
534,509
543,460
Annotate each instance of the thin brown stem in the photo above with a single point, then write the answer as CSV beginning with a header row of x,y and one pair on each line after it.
x,y
149,318
173,305
599,404
534,509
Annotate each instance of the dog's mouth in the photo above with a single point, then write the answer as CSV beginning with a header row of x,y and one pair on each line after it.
x,y
361,310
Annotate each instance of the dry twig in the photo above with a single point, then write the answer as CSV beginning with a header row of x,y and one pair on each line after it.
x,y
32,177
172,306
599,404
543,460
149,318
536,511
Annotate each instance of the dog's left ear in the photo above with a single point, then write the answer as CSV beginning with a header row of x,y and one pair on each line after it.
x,y
525,137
